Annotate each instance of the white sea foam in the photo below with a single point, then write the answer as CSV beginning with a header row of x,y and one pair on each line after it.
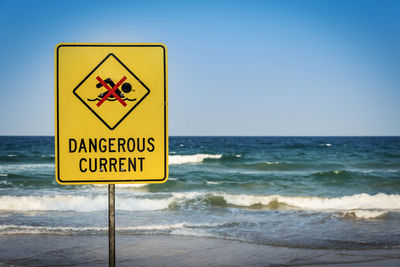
x,y
188,195
85,203
171,226
155,227
327,144
365,214
79,203
359,205
211,182
29,166
197,158
355,202
28,229
271,162
363,205
191,232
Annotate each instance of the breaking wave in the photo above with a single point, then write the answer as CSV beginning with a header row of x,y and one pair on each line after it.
x,y
173,228
359,205
197,158
346,203
79,203
364,214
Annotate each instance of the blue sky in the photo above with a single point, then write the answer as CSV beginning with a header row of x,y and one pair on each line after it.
x,y
235,67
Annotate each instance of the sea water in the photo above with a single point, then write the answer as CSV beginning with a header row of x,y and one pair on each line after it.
x,y
313,192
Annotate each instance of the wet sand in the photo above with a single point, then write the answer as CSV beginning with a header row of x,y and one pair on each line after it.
x,y
162,250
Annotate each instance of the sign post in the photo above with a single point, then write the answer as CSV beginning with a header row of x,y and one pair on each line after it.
x,y
111,225
111,116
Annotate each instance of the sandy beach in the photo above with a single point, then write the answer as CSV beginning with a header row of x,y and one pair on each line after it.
x,y
162,250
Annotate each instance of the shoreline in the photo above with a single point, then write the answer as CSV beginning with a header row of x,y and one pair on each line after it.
x,y
166,250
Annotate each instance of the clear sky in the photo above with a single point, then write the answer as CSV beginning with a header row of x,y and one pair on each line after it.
x,y
235,67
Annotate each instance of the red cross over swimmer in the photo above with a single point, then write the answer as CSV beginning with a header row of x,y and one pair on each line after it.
x,y
111,91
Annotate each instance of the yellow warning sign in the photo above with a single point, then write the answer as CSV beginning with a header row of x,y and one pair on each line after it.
x,y
111,113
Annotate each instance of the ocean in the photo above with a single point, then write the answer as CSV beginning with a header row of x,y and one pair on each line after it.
x,y
305,192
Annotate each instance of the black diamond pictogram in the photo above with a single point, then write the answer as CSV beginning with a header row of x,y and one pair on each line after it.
x,y
112,74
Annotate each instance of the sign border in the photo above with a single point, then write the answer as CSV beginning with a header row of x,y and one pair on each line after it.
x,y
114,181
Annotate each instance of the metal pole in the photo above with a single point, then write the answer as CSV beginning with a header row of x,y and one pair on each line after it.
x,y
111,225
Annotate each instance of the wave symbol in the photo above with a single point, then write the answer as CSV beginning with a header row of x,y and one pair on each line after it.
x,y
111,99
